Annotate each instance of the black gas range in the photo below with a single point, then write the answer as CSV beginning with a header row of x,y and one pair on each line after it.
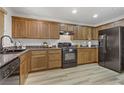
x,y
69,55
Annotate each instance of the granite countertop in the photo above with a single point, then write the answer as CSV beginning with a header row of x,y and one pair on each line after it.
x,y
5,58
87,47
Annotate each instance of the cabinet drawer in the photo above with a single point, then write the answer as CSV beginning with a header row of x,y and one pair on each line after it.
x,y
39,52
54,51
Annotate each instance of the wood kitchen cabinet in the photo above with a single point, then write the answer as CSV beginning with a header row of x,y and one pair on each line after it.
x,y
24,67
89,33
87,55
19,29
92,55
82,33
54,31
39,60
1,23
44,29
70,27
66,27
34,29
54,56
63,27
94,34
76,29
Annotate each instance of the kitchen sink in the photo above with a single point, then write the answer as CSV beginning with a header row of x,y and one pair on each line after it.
x,y
11,51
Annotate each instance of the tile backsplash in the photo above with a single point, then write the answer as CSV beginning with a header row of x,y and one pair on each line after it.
x,y
63,38
38,42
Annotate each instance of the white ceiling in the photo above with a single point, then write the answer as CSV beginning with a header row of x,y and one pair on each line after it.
x,y
83,16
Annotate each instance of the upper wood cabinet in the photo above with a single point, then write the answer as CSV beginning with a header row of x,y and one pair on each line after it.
x,y
44,29
34,29
66,27
95,34
1,23
54,30
63,27
19,29
70,27
82,33
85,33
76,29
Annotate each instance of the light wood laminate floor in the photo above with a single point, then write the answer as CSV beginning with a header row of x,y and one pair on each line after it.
x,y
88,74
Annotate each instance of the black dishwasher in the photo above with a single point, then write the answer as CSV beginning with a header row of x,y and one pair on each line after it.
x,y
9,73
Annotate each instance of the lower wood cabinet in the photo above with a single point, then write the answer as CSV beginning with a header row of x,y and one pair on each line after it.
x,y
87,55
39,60
45,59
54,57
24,67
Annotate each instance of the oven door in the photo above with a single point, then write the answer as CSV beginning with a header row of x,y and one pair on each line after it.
x,y
69,55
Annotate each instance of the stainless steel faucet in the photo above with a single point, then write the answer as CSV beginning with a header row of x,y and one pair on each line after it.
x,y
1,41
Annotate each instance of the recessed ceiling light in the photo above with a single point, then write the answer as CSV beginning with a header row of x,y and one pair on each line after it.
x,y
95,15
74,11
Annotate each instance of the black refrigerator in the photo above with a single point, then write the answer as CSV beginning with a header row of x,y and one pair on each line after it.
x,y
111,48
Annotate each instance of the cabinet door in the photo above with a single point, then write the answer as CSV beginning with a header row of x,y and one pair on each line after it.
x,y
1,24
54,61
29,61
38,61
63,27
19,28
22,72
32,28
24,67
70,28
95,34
82,34
43,30
82,56
89,33
75,36
54,31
